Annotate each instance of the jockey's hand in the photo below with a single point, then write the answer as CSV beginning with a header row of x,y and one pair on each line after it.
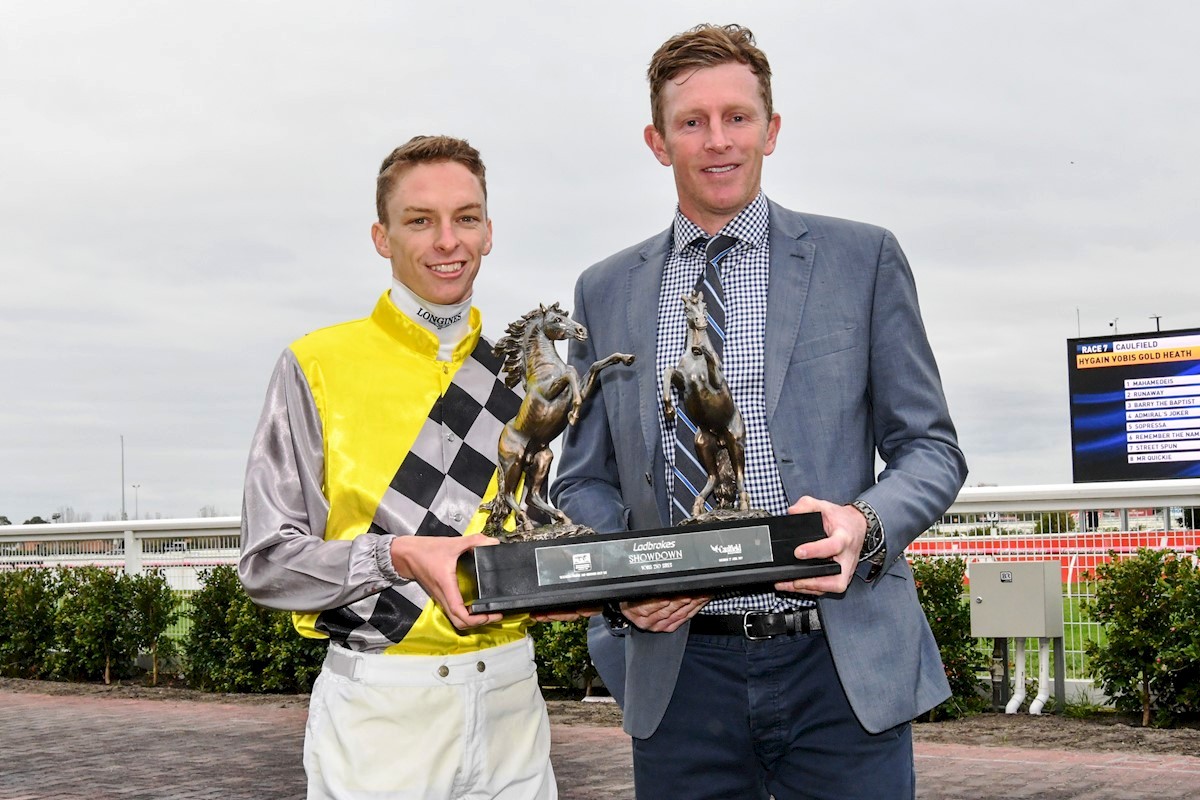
x,y
432,561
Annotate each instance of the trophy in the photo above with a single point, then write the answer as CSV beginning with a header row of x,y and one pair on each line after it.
x,y
720,438
725,543
553,397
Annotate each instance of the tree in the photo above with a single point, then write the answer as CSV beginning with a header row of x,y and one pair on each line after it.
x,y
208,511
1148,607
28,602
236,646
5,520
206,648
97,634
155,608
36,520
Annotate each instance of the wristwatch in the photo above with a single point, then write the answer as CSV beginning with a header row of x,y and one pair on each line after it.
x,y
874,546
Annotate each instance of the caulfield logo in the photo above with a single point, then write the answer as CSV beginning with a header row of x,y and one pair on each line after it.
x,y
582,562
727,549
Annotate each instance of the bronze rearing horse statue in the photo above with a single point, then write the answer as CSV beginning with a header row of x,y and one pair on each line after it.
x,y
720,432
553,396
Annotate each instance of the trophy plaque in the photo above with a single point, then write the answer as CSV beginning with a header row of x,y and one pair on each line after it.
x,y
726,543
703,557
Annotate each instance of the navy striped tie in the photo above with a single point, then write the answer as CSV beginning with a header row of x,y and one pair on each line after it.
x,y
690,475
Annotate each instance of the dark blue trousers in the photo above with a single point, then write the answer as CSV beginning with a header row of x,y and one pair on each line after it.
x,y
759,719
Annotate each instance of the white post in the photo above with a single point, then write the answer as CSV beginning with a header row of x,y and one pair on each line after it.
x,y
133,554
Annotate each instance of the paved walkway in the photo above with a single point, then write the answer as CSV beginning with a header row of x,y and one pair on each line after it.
x,y
77,747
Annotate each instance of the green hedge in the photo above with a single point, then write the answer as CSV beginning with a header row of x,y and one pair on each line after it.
x,y
560,649
29,600
90,624
236,646
1149,662
84,624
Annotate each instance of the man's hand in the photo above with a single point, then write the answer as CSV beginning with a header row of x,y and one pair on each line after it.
x,y
663,614
845,529
565,616
432,561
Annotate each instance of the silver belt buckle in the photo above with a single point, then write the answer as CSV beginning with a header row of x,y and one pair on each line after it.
x,y
746,625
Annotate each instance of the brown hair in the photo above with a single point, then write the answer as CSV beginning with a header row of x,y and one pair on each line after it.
x,y
424,150
706,46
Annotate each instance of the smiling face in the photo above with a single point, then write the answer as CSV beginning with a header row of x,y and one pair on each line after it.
x,y
715,134
437,231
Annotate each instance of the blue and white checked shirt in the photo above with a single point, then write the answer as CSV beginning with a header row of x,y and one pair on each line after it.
x,y
745,275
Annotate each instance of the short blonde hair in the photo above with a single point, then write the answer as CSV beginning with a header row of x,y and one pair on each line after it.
x,y
706,46
424,150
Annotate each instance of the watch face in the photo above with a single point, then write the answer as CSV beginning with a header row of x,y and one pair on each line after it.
x,y
873,542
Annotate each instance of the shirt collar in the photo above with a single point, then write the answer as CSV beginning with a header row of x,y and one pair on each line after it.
x,y
408,332
749,226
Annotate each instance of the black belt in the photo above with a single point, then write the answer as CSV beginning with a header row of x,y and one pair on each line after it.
x,y
757,624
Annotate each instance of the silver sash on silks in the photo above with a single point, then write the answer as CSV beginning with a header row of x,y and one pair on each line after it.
x,y
435,492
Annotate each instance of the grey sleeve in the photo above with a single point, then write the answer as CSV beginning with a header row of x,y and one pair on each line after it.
x,y
285,562
925,468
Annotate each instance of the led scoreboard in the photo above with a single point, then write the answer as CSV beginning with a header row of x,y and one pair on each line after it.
x,y
1135,406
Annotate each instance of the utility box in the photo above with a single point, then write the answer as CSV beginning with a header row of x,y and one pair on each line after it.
x,y
1016,599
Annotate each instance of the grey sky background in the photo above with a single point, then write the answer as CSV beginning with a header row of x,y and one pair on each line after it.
x,y
184,189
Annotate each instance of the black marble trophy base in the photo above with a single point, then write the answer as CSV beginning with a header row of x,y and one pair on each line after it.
x,y
586,570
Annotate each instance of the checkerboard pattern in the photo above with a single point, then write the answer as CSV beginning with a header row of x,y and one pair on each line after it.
x,y
436,491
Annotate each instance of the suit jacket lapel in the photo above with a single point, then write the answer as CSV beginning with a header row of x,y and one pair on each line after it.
x,y
792,261
644,286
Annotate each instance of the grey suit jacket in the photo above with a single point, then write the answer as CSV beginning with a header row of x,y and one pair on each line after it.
x,y
848,373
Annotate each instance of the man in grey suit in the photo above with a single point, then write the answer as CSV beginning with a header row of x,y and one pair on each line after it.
x,y
807,688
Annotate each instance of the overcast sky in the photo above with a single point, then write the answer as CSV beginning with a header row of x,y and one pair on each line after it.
x,y
186,188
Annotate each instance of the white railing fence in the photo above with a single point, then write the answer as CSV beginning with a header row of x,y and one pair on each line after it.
x,y
179,547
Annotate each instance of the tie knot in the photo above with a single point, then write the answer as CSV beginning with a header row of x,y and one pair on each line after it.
x,y
717,248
